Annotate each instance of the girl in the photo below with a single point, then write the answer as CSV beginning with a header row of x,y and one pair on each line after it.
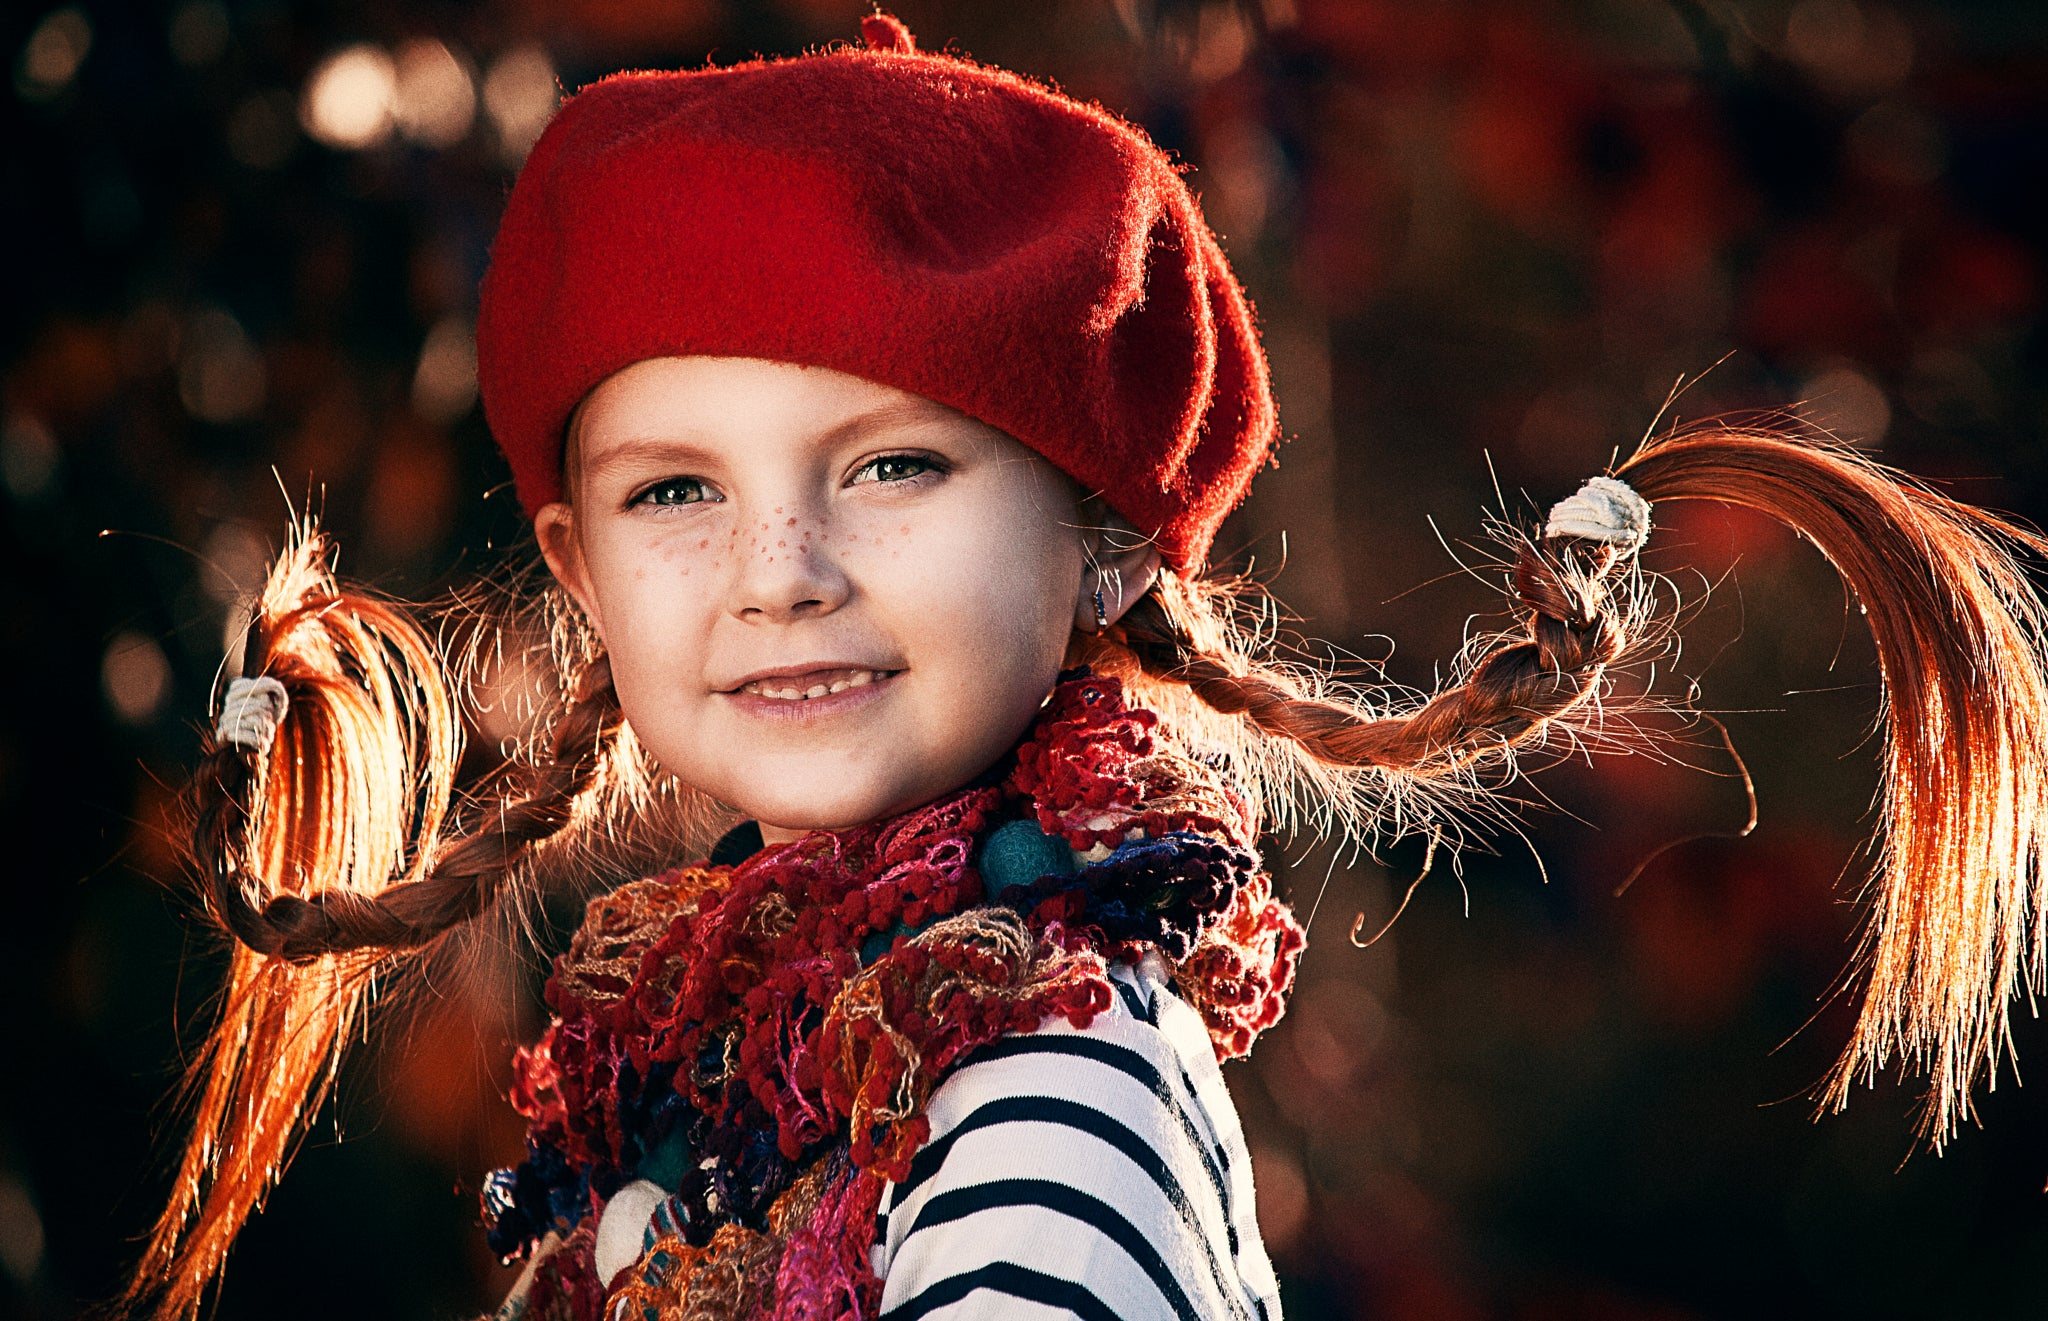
x,y
875,412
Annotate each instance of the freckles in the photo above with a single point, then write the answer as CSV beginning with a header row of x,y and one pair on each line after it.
x,y
668,551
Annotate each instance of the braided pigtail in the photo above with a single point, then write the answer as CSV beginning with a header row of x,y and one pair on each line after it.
x,y
1368,763
1958,924
318,820
1574,633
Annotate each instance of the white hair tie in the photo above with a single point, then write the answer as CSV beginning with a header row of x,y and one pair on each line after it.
x,y
1604,509
250,713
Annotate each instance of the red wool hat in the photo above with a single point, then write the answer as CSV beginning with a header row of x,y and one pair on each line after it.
x,y
916,219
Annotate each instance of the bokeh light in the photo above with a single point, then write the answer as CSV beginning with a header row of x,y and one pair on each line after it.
x,y
1850,404
136,677
21,1231
434,95
444,387
221,376
200,32
51,58
28,458
521,94
263,129
348,101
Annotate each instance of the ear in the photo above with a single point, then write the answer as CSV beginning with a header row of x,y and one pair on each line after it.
x,y
1122,563
554,527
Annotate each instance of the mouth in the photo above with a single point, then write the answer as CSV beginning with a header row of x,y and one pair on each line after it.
x,y
813,686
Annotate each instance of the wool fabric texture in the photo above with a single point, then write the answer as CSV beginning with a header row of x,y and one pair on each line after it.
x,y
732,1034
914,218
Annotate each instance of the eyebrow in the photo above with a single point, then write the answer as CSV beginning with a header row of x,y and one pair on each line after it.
x,y
640,449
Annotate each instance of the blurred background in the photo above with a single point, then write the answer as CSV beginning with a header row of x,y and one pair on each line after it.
x,y
1486,241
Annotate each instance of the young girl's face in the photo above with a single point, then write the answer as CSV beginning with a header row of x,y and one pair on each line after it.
x,y
825,600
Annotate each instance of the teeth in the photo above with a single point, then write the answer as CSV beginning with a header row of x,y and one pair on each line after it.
x,y
858,679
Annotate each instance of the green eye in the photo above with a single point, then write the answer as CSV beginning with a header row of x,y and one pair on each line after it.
x,y
899,467
673,491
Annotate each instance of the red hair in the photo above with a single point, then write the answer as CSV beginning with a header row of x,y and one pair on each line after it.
x,y
1957,926
334,856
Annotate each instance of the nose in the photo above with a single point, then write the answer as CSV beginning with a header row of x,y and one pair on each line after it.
x,y
787,571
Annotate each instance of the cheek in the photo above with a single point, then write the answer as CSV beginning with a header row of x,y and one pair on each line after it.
x,y
651,592
994,580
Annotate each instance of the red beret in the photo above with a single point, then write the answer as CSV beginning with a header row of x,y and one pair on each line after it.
x,y
916,219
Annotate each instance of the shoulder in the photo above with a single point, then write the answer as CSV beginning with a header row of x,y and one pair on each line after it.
x,y
1099,1170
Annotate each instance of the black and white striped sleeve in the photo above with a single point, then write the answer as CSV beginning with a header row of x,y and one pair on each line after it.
x,y
1098,1173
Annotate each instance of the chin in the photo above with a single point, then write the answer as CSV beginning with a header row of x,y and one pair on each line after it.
x,y
829,808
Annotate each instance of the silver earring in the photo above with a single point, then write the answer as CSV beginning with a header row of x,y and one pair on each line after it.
x,y
1101,615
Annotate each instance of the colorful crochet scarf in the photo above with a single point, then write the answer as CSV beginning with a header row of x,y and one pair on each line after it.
x,y
759,1040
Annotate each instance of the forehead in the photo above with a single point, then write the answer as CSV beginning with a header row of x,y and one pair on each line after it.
x,y
713,411
709,401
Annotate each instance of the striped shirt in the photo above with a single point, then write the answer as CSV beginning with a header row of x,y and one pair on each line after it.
x,y
1097,1172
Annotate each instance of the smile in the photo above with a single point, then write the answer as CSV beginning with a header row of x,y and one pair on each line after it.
x,y
811,687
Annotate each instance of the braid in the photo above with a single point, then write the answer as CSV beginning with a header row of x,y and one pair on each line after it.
x,y
463,881
322,854
1573,633
1958,895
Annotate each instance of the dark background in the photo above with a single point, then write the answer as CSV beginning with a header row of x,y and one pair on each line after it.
x,y
1485,233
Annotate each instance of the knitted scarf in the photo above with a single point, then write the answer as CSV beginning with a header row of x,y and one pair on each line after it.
x,y
759,1040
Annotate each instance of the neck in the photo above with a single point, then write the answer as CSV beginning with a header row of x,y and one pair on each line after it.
x,y
991,774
